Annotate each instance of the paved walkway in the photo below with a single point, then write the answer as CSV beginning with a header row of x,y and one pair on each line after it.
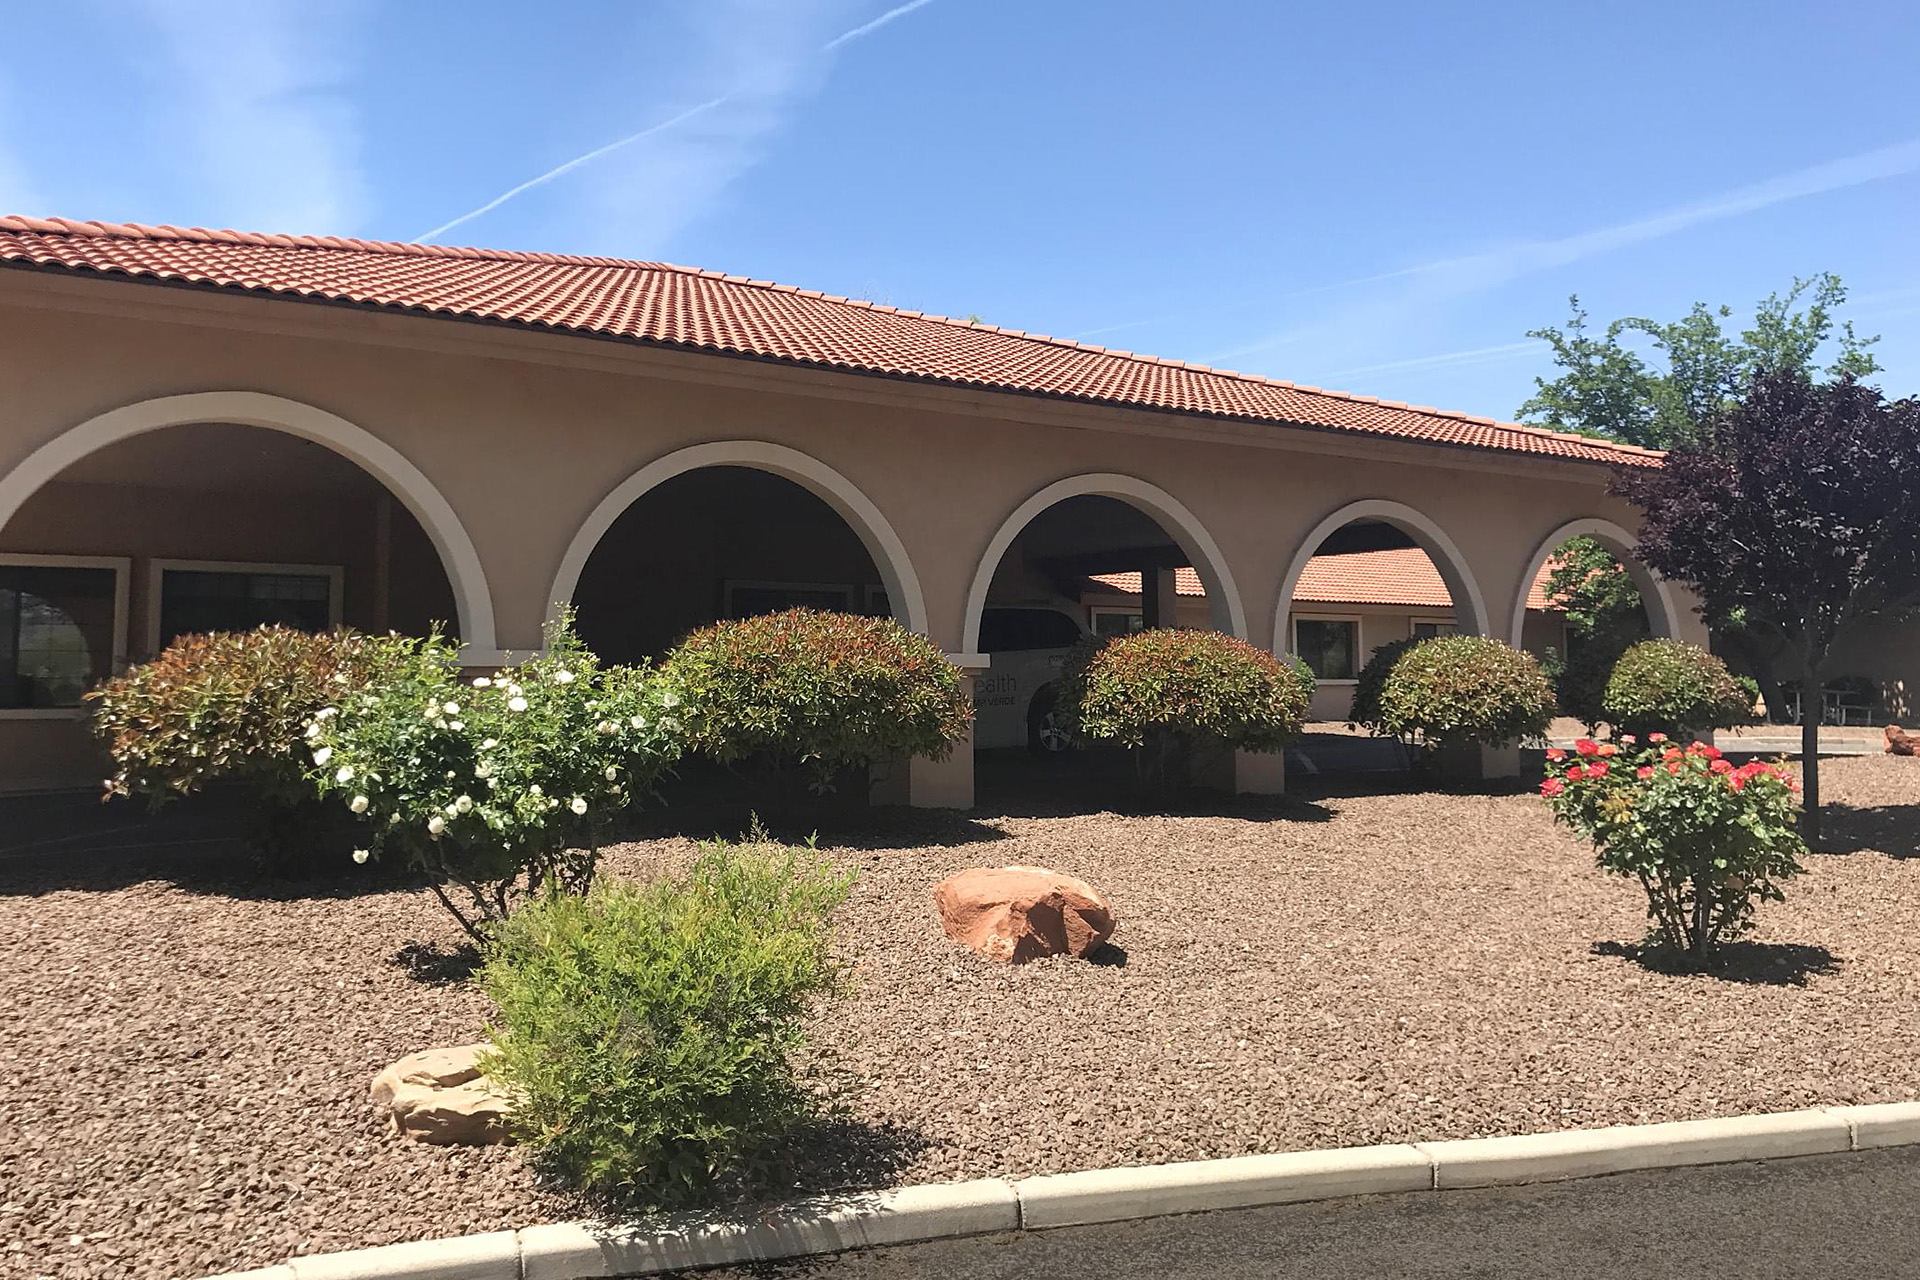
x,y
1853,1216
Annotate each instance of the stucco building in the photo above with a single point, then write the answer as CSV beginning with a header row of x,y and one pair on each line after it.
x,y
209,429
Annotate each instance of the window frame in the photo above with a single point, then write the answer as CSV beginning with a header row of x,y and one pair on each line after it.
x,y
1096,612
1440,619
336,576
729,585
1359,638
122,569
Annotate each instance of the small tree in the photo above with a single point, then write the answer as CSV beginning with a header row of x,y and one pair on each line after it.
x,y
1455,690
501,784
1669,686
821,690
1801,510
1167,693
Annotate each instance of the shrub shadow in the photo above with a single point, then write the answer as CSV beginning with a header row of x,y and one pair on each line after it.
x,y
1892,829
1771,964
434,965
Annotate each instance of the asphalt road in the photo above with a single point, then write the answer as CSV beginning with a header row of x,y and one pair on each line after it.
x,y
1850,1217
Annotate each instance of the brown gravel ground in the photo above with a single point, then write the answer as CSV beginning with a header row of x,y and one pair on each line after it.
x,y
185,1057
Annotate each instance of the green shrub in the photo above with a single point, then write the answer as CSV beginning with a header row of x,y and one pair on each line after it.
x,y
230,708
1464,689
1706,840
1670,686
1365,711
648,1032
823,690
1168,693
502,783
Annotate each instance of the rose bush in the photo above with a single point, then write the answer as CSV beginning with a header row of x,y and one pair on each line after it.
x,y
1707,840
499,784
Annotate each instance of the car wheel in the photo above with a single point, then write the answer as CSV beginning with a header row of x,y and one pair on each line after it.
x,y
1046,731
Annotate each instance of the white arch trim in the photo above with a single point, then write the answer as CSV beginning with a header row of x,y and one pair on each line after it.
x,y
1663,612
862,516
472,600
1446,557
1223,596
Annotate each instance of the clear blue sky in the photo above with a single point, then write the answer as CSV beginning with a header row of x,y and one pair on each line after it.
x,y
1381,198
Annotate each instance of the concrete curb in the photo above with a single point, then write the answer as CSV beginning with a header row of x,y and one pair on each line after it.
x,y
832,1224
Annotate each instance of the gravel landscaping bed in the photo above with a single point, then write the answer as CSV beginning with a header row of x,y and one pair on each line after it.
x,y
185,1056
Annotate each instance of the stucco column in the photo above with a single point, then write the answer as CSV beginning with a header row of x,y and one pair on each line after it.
x,y
1243,773
933,784
1159,598
1472,762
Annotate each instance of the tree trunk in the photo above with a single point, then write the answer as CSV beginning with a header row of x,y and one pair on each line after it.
x,y
1813,701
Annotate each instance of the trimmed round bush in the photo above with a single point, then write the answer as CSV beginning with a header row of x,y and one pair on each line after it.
x,y
1670,686
648,1032
1191,686
1465,689
823,690
1365,711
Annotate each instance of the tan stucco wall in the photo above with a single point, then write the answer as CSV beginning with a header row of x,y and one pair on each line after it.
x,y
524,434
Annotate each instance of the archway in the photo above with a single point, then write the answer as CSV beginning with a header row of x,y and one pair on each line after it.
x,y
899,593
1097,554
1656,596
1367,575
473,604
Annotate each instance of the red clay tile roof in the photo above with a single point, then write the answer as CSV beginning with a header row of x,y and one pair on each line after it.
x,y
1404,576
664,305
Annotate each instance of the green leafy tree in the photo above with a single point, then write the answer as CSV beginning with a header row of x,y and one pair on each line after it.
x,y
1605,617
1609,388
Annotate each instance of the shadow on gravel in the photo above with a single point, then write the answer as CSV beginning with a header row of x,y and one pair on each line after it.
x,y
1771,964
434,965
1892,829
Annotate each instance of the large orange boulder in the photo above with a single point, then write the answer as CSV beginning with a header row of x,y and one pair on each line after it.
x,y
441,1096
1023,913
1901,743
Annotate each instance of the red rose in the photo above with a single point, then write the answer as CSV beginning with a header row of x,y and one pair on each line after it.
x,y
1552,787
1656,737
1721,766
1586,746
1555,753
1644,771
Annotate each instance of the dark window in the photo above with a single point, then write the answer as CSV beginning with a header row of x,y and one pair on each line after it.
x,y
1429,630
751,602
1117,622
196,601
56,633
1011,630
1327,646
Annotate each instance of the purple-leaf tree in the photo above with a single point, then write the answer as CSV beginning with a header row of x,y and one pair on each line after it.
x,y
1798,513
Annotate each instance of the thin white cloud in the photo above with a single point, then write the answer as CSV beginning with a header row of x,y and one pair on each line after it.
x,y
1473,356
869,28
1477,272
275,141
762,52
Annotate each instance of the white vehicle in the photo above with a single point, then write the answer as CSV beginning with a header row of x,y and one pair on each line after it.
x,y
1013,699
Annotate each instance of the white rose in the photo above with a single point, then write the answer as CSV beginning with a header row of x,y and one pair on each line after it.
x,y
605,726
432,711
358,804
490,744
481,682
344,773
638,722
463,805
324,712
436,824
451,708
613,773
456,726
563,677
513,691
534,789
439,724
313,731
482,769
323,755
516,704
359,855
578,805
393,819
669,699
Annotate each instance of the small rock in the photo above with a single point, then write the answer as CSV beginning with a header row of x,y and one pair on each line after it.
x,y
1023,913
440,1096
